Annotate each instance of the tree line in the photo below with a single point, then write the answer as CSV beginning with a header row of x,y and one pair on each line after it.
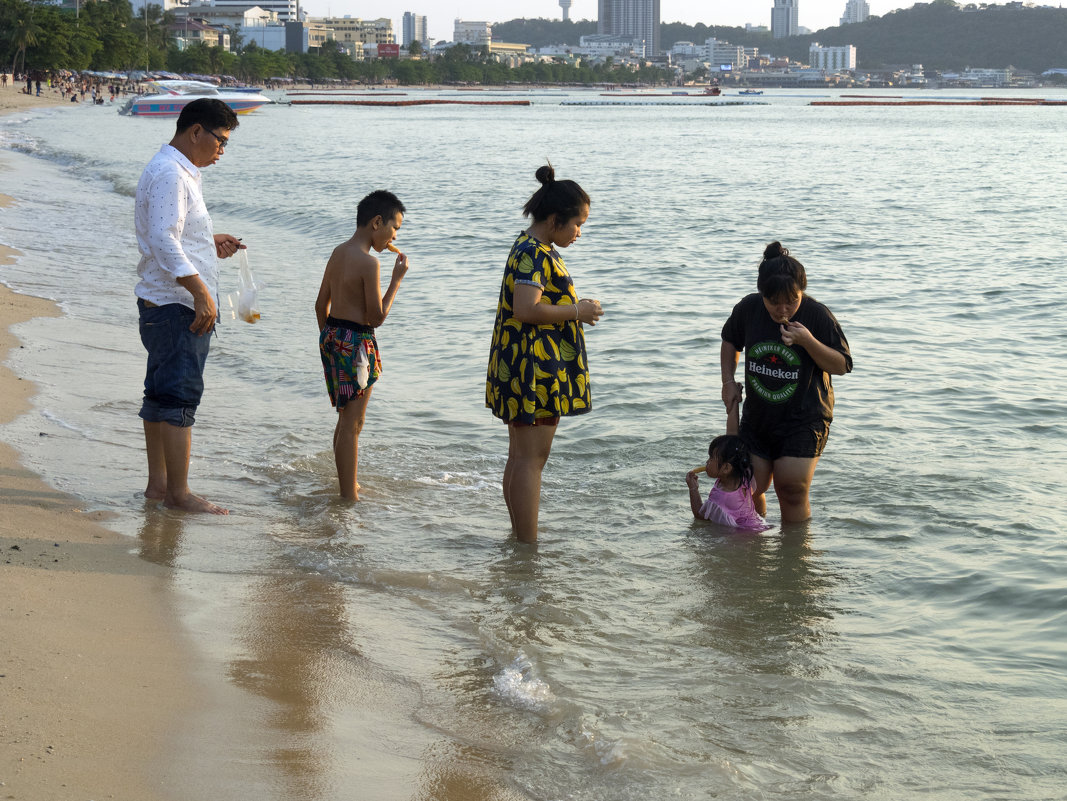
x,y
942,34
109,36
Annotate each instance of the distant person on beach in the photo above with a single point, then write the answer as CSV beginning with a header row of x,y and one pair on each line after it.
x,y
349,307
792,345
730,501
177,296
537,364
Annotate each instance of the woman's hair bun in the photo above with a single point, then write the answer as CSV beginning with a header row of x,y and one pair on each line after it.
x,y
774,250
546,174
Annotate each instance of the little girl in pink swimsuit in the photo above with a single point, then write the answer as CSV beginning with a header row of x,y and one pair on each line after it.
x,y
730,500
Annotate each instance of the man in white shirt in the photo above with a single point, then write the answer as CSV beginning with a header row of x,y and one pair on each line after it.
x,y
177,296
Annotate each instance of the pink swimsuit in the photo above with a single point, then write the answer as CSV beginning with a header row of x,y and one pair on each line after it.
x,y
732,508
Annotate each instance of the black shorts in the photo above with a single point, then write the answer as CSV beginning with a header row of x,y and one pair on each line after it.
x,y
802,443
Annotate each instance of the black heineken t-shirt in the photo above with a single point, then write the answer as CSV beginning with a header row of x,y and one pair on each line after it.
x,y
784,389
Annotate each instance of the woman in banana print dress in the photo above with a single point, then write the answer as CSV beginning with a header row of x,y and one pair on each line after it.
x,y
537,365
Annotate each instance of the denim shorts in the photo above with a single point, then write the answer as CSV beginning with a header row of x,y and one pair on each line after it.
x,y
174,381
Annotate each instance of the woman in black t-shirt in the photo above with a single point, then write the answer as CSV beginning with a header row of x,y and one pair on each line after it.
x,y
792,345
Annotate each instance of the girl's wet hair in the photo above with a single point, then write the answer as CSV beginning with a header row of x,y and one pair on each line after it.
x,y
730,449
780,275
562,198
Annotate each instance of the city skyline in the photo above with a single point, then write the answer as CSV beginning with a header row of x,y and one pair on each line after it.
x,y
441,14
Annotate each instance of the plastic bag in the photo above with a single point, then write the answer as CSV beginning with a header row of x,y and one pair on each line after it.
x,y
362,367
247,291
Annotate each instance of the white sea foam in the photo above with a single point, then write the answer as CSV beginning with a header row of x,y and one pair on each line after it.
x,y
517,685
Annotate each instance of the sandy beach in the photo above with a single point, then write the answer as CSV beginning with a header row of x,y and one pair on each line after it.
x,y
12,98
116,684
92,668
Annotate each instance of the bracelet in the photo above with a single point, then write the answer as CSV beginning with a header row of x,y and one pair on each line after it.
x,y
577,316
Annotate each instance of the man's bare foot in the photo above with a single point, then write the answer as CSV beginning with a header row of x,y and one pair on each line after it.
x,y
194,503
154,494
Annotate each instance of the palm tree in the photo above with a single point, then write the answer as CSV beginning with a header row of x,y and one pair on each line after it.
x,y
24,33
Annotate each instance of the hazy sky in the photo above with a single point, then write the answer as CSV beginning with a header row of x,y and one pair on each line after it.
x,y
440,14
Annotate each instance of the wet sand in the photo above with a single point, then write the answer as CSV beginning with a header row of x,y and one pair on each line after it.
x,y
115,684
92,666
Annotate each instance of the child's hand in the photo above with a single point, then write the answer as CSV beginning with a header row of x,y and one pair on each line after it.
x,y
731,396
400,267
692,479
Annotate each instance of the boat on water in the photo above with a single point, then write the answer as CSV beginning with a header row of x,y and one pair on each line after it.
x,y
751,92
168,98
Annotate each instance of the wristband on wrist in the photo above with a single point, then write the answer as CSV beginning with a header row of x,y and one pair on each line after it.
x,y
577,316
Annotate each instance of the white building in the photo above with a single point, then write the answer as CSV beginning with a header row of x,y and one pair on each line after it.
x,y
244,17
720,54
785,19
637,20
475,34
138,5
856,11
286,9
984,76
415,29
686,50
832,59
607,45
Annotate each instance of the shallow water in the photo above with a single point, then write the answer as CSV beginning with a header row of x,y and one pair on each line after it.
x,y
909,641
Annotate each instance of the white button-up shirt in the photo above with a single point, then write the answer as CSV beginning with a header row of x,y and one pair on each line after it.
x,y
173,229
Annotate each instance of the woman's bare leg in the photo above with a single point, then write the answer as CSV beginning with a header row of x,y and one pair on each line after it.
x,y
528,453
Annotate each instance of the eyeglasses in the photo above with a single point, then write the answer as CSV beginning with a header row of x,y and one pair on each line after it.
x,y
223,141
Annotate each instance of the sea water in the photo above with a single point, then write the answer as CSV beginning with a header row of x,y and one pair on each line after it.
x,y
908,642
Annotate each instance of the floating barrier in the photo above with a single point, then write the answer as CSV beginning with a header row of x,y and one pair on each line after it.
x,y
982,102
657,94
663,103
409,102
334,93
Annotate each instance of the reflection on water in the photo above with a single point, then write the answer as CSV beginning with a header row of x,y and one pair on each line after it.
x,y
160,534
766,601
632,654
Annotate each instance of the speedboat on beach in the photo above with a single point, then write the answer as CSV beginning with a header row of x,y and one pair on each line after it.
x,y
168,98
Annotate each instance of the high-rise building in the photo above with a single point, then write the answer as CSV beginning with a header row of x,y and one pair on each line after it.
x,y
566,6
855,11
414,29
636,19
785,20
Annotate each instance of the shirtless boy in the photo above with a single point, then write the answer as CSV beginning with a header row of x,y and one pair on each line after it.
x,y
349,307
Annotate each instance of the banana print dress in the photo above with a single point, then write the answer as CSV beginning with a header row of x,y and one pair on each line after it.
x,y
536,371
